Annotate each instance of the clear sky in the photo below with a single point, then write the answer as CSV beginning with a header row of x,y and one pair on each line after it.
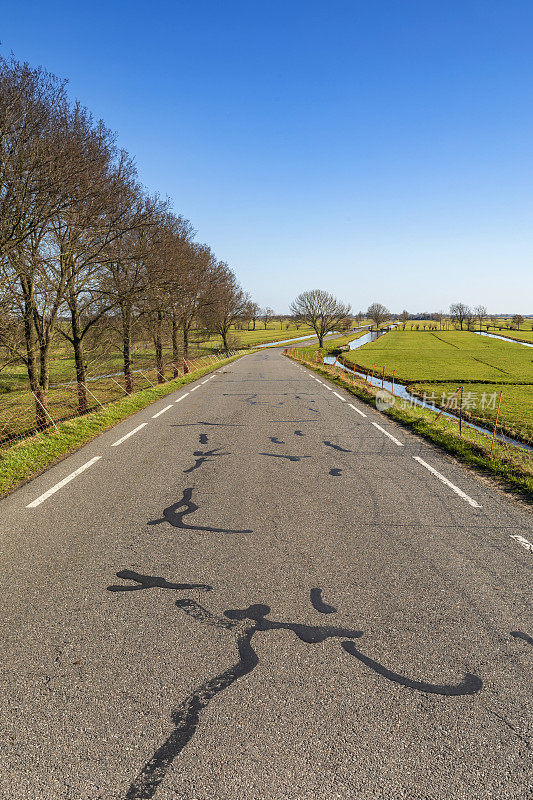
x,y
379,149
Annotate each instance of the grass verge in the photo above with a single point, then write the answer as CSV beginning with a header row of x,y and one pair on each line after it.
x,y
513,475
26,459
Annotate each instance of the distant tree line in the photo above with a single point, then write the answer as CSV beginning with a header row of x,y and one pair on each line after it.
x,y
84,248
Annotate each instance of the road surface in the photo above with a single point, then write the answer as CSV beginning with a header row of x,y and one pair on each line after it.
x,y
259,588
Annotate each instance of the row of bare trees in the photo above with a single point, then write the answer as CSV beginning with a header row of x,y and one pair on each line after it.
x,y
84,247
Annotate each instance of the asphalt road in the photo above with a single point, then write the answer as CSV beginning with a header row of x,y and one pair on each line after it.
x,y
367,633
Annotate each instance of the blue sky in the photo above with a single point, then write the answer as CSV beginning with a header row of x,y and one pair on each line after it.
x,y
381,150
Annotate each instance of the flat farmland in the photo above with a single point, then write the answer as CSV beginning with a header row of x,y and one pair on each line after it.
x,y
480,404
441,356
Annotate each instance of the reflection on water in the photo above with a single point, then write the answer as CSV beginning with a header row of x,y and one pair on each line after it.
x,y
503,338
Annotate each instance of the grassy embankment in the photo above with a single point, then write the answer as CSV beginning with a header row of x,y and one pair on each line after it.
x,y
512,469
27,458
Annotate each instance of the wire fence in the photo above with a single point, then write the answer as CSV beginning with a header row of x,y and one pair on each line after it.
x,y
492,434
23,413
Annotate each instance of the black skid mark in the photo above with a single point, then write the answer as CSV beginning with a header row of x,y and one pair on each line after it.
x,y
202,457
522,635
289,458
175,517
186,719
318,604
245,623
471,684
337,447
203,438
151,582
335,471
299,433
275,440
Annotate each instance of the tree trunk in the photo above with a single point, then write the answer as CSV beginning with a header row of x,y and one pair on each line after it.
x,y
77,344
159,347
126,348
41,420
185,339
175,345
224,334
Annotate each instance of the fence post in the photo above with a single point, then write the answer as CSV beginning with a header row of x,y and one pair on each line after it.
x,y
372,378
119,385
461,413
146,379
495,423
393,381
92,395
383,376
45,411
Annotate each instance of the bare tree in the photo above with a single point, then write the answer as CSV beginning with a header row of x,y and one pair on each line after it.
x,y
480,312
460,313
378,313
255,312
229,304
322,311
404,316
268,314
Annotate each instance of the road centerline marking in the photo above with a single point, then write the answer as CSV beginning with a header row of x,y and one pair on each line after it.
x,y
394,439
448,483
127,436
62,483
205,381
356,409
339,396
195,388
154,416
181,398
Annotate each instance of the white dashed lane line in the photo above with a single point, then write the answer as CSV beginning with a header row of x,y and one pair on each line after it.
x,y
339,396
523,541
62,483
127,436
448,483
205,381
194,388
155,416
393,438
356,409
181,398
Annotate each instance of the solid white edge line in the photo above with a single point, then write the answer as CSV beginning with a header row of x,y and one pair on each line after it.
x,y
195,388
127,436
394,439
62,483
339,396
448,483
181,398
356,409
155,416
522,541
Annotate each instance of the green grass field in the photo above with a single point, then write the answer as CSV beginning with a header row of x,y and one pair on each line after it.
x,y
480,404
446,356
329,345
14,377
